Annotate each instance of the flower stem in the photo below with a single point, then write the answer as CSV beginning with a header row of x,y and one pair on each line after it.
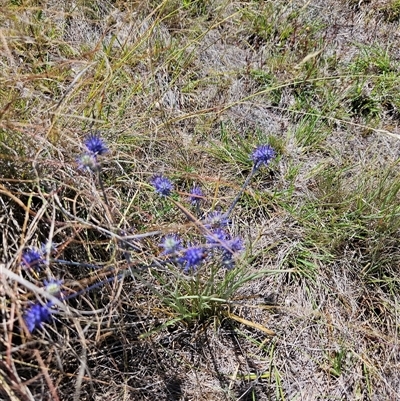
x,y
240,193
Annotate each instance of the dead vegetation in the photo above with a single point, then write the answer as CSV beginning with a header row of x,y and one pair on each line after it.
x,y
188,89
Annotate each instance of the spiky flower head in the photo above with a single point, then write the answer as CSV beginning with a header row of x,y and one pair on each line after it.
x,y
36,315
88,161
32,259
171,244
196,195
216,219
262,155
235,244
232,247
162,185
192,257
95,144
53,286
217,236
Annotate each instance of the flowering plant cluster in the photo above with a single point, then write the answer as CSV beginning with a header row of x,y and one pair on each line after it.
x,y
199,272
95,146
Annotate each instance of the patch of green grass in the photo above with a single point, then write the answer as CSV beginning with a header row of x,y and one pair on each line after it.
x,y
354,212
311,133
336,361
375,85
196,7
264,22
268,80
234,147
231,146
372,60
202,295
391,11
305,260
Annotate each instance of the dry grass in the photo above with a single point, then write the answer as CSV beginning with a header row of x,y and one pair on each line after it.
x,y
188,88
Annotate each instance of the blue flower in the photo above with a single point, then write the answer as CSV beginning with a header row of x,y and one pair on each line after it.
x,y
262,155
88,162
36,315
32,259
232,247
95,145
235,244
53,286
196,195
171,244
217,236
192,257
162,185
216,219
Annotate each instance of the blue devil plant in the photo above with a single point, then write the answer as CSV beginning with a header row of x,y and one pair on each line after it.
x,y
196,274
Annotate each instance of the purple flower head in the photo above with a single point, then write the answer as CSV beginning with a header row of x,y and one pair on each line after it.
x,y
162,185
216,219
32,259
95,145
217,236
88,162
36,315
233,246
53,286
192,257
227,261
262,155
196,195
171,244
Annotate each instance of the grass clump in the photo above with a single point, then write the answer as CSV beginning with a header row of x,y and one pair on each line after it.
x,y
391,11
